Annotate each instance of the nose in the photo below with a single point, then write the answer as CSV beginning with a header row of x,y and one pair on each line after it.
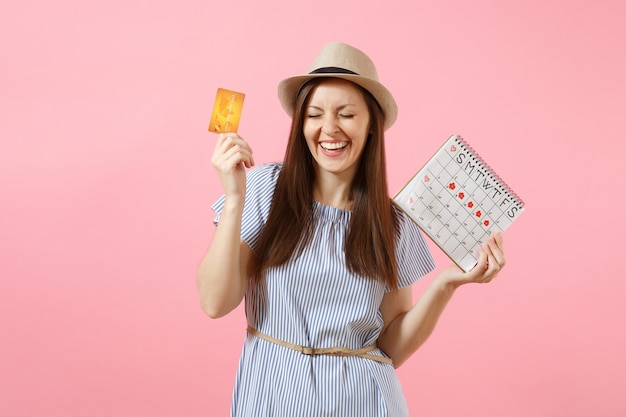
x,y
329,126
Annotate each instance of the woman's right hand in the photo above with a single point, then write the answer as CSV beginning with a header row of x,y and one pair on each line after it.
x,y
231,157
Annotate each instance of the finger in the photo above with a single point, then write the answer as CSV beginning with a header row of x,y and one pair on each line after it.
x,y
228,140
481,266
238,154
497,235
492,264
225,139
494,243
232,149
482,270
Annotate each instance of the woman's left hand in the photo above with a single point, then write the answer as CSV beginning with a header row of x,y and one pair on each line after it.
x,y
490,263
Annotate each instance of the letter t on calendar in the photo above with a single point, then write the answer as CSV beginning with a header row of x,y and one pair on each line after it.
x,y
459,201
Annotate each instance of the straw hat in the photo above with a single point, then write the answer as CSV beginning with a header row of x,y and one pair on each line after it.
x,y
339,60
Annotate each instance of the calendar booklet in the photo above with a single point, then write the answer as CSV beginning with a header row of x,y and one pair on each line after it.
x,y
459,201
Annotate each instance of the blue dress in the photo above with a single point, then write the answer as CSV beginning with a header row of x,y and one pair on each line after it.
x,y
314,300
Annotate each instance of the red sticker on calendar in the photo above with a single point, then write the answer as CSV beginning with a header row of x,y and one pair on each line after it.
x,y
479,213
452,148
486,223
452,186
426,178
470,204
461,195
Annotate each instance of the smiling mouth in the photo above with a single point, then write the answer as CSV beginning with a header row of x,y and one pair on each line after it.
x,y
333,146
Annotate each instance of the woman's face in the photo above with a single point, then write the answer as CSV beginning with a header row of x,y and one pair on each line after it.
x,y
336,126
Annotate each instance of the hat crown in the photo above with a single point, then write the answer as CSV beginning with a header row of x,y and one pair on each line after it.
x,y
340,60
344,56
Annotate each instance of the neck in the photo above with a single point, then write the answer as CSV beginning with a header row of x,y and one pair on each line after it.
x,y
333,191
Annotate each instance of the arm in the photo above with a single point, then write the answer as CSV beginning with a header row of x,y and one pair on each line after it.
x,y
407,326
228,263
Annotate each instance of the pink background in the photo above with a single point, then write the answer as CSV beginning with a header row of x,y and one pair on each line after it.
x,y
106,188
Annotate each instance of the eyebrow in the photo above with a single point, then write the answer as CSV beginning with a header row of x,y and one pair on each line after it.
x,y
343,106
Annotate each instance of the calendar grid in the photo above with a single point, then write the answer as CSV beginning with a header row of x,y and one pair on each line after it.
x,y
459,201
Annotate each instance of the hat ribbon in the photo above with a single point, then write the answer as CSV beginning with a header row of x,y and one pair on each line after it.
x,y
332,70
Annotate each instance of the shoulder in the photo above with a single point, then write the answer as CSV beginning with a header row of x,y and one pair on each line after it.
x,y
408,234
403,222
412,252
260,185
266,168
265,172
263,177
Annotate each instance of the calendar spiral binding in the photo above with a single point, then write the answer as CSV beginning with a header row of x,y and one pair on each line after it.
x,y
462,142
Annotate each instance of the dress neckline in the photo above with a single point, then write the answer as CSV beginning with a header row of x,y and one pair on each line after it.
x,y
331,213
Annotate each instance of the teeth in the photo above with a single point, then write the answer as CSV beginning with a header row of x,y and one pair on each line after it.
x,y
331,146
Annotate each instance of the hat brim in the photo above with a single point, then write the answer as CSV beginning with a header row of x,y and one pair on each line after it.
x,y
289,87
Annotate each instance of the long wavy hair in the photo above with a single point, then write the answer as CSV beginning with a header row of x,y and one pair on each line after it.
x,y
370,237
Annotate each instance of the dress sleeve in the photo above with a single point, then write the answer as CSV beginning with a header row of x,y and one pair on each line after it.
x,y
414,257
260,185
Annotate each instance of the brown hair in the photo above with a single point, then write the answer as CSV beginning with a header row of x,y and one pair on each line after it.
x,y
370,237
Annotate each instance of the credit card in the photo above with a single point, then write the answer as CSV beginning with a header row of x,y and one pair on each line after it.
x,y
226,111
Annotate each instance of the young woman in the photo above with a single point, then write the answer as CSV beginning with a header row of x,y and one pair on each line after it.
x,y
323,258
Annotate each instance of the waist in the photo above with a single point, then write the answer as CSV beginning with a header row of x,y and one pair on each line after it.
x,y
327,351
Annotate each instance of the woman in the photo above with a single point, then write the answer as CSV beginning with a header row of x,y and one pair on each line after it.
x,y
324,260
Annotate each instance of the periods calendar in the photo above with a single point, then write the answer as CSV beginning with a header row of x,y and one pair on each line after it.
x,y
459,201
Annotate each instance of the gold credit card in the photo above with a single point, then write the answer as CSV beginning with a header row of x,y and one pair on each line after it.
x,y
226,111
